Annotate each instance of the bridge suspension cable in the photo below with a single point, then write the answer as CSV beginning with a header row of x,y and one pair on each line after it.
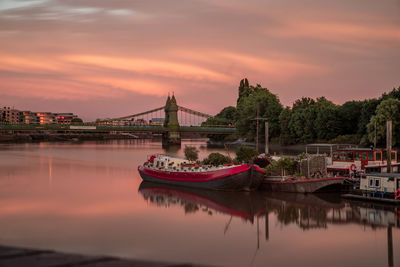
x,y
194,112
132,116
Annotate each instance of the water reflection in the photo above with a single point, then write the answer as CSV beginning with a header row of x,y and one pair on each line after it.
x,y
307,211
245,205
310,211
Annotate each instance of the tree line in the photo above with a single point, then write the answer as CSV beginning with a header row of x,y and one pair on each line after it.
x,y
310,120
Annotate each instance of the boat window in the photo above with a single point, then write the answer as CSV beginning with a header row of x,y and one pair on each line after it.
x,y
357,156
342,155
370,155
350,156
364,155
384,155
393,155
378,156
335,155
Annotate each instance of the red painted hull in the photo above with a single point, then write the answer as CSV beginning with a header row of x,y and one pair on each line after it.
x,y
236,178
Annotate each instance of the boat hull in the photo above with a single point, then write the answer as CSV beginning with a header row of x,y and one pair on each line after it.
x,y
241,178
302,186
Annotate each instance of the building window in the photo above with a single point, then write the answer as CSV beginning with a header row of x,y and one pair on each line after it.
x,y
377,182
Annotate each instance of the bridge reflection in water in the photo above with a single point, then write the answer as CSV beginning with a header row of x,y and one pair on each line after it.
x,y
307,211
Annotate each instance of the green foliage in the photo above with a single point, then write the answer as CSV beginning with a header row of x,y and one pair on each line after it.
x,y
269,108
388,109
216,159
191,153
284,166
245,153
350,114
286,137
395,93
227,116
328,123
308,120
346,139
368,108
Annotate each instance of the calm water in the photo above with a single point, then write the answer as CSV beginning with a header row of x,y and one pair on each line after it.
x,y
88,198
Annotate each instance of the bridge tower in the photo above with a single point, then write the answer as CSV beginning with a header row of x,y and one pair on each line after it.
x,y
173,136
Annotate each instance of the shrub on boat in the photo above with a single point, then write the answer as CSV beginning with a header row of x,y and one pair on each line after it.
x,y
245,154
216,159
191,153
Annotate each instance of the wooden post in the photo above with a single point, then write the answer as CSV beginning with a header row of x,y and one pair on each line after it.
x,y
267,225
390,246
266,139
257,118
389,145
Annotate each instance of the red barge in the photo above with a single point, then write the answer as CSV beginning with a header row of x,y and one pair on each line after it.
x,y
175,171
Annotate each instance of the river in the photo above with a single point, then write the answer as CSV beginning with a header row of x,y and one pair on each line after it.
x,y
87,198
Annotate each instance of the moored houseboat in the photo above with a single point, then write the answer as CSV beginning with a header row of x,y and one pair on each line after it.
x,y
175,171
362,160
382,187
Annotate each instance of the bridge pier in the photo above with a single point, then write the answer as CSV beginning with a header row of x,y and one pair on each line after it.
x,y
173,136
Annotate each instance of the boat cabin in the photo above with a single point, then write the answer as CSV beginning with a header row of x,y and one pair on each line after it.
x,y
383,183
368,160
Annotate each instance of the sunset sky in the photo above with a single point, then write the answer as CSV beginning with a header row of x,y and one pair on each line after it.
x,y
103,58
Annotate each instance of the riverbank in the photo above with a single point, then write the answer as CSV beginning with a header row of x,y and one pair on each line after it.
x,y
57,137
12,256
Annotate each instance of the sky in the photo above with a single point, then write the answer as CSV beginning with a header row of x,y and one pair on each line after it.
x,y
102,58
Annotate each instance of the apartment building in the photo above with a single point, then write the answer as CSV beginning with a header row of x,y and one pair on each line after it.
x,y
10,115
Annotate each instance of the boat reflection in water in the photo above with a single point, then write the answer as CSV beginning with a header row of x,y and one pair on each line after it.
x,y
245,205
310,211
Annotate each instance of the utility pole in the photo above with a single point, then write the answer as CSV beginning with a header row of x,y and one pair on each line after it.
x,y
389,145
266,138
258,118
375,136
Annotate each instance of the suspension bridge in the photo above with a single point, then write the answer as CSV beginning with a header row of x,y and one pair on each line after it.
x,y
169,120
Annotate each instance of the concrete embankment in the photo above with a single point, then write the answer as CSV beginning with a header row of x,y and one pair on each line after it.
x,y
15,257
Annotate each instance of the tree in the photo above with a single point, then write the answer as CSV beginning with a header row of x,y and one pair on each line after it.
x,y
350,114
191,153
245,153
286,137
395,93
301,124
328,123
387,110
216,159
368,108
269,108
